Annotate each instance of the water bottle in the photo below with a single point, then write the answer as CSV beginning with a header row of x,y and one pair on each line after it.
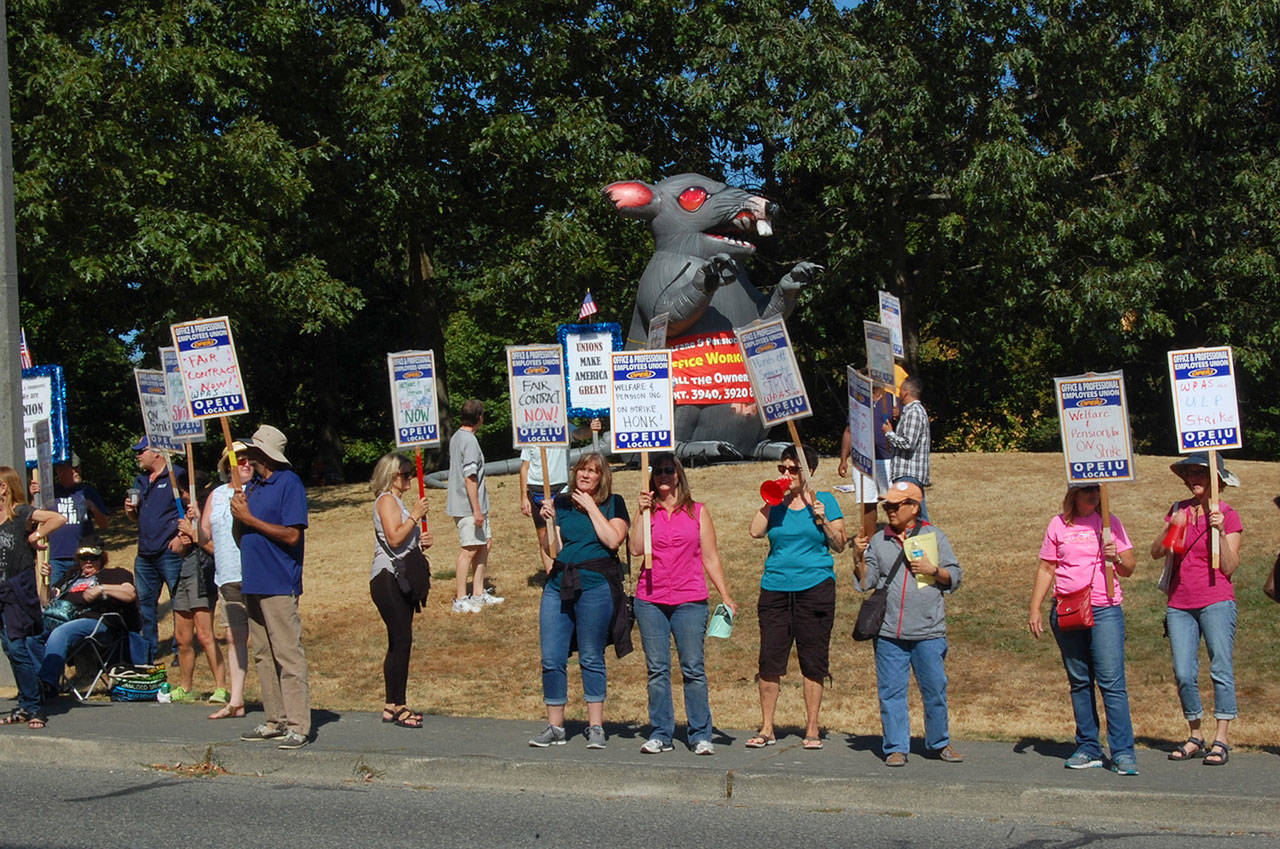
x,y
163,697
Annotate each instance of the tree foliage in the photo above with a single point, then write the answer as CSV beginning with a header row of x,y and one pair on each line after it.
x,y
1050,188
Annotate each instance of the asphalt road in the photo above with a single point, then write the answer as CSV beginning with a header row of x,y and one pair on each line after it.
x,y
61,807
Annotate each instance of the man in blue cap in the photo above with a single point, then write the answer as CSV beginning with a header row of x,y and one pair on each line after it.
x,y
153,506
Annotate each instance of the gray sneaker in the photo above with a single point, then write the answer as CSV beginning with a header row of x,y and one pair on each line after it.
x,y
264,731
551,736
293,740
596,737
655,745
1082,761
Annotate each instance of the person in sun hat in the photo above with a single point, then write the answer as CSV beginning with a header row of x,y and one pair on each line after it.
x,y
914,634
272,516
1202,602
1073,556
216,533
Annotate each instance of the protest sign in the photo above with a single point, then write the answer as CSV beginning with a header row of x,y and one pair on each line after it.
x,y
154,403
862,438
185,428
658,331
44,396
586,358
771,367
641,404
210,370
1093,417
891,317
415,409
46,499
539,404
1205,412
879,342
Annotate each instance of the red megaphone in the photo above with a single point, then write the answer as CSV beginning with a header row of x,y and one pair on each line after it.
x,y
774,491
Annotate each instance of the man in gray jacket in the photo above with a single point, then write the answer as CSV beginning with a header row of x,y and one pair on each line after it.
x,y
914,633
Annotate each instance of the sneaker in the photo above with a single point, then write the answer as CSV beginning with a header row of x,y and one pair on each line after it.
x,y
596,737
1082,761
1125,765
487,598
220,696
292,740
466,605
704,747
654,746
263,732
552,735
181,694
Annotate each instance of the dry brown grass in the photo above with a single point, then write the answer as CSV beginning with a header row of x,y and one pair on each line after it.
x,y
1003,684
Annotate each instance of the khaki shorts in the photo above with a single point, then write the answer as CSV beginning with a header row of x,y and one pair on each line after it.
x,y
232,608
469,536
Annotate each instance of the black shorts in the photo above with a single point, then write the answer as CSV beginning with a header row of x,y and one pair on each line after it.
x,y
535,497
803,617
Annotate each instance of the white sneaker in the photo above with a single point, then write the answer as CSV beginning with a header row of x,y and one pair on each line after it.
x,y
487,598
466,605
704,747
654,746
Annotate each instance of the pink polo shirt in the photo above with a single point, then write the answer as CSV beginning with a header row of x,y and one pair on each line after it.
x,y
676,576
1076,549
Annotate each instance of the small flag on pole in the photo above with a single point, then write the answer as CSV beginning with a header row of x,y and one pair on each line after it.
x,y
588,307
24,353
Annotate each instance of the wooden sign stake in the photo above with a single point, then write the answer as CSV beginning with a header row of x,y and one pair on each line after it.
x,y
1107,571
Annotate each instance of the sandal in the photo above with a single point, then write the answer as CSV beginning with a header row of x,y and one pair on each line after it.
x,y
1182,753
759,740
1217,755
406,718
812,743
228,712
37,722
17,717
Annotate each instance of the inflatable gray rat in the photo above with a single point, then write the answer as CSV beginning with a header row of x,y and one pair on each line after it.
x,y
702,231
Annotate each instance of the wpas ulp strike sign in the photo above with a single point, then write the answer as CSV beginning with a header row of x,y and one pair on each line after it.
x,y
862,440
185,428
642,408
775,377
1094,420
1205,411
210,370
415,410
154,402
539,398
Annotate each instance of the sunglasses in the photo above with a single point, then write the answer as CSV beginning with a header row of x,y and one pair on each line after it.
x,y
87,558
664,470
1090,489
788,470
890,506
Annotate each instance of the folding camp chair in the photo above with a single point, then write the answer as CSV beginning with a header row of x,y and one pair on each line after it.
x,y
106,646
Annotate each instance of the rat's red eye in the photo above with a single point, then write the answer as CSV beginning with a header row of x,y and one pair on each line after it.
x,y
692,198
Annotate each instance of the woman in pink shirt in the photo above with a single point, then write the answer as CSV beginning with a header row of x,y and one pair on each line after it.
x,y
671,600
1202,602
1073,556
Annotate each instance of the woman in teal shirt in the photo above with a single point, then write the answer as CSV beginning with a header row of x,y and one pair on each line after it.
x,y
581,596
797,593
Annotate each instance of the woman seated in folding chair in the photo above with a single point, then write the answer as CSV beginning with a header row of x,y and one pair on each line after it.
x,y
93,590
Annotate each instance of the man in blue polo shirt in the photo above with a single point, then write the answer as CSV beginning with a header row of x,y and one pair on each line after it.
x,y
272,516
159,561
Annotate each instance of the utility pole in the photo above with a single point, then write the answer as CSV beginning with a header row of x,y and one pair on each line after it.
x,y
12,451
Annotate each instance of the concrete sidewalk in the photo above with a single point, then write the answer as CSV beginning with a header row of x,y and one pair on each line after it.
x,y
997,779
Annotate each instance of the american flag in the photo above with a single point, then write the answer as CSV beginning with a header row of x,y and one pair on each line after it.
x,y
24,353
588,307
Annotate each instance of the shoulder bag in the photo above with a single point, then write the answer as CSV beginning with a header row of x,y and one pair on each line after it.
x,y
412,571
871,613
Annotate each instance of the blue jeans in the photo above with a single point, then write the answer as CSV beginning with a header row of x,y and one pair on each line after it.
x,y
687,623
1217,623
58,569
24,671
558,621
60,643
149,574
895,660
1096,656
